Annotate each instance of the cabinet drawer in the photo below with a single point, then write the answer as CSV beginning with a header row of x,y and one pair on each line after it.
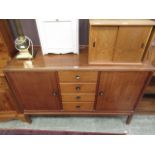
x,y
78,76
78,97
78,106
78,88
3,83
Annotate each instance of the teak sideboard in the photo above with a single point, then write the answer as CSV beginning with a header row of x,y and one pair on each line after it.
x,y
68,85
96,82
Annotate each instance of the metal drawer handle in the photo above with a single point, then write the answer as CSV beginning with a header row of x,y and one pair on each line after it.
x,y
78,88
142,45
77,77
78,97
55,93
101,93
78,106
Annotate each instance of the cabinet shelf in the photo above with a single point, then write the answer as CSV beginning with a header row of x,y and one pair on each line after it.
x,y
150,90
146,105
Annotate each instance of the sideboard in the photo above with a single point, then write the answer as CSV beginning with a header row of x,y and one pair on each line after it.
x,y
68,85
105,79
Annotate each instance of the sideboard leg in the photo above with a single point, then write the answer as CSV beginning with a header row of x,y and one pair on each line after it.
x,y
129,118
24,118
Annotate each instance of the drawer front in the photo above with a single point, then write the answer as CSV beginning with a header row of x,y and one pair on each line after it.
x,y
78,106
78,88
3,83
78,97
78,76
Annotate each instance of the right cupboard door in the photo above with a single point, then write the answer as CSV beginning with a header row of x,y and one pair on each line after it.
x,y
119,91
131,43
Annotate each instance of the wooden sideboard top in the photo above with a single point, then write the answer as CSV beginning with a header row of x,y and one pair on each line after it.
x,y
70,62
121,22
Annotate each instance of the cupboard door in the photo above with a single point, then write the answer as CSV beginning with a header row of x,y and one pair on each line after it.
x,y
119,91
131,43
101,44
35,90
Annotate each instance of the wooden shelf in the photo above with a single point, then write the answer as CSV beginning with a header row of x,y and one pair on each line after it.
x,y
146,105
150,90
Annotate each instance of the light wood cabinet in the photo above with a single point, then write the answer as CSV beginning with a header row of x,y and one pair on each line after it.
x,y
124,42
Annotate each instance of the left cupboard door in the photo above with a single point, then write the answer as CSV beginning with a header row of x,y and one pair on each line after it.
x,y
35,90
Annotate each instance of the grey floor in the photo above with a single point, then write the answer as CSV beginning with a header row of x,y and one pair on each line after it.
x,y
140,125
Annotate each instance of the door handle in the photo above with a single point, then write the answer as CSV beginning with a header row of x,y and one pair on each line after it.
x,y
78,106
142,45
55,93
94,44
101,93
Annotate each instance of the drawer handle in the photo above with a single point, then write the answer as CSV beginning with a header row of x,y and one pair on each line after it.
x,y
78,88
55,93
78,106
77,77
101,93
94,44
78,97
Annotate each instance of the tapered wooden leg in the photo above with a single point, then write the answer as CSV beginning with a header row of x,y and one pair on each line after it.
x,y
24,118
129,118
